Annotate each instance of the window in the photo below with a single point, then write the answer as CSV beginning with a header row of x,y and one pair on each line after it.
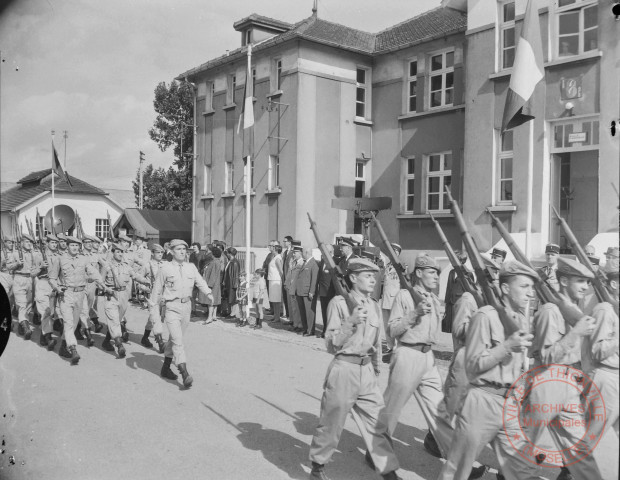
x,y
505,159
577,27
206,190
276,75
360,178
441,79
273,179
210,95
362,99
101,227
409,184
231,87
412,86
251,176
438,176
507,34
229,171
254,82
248,37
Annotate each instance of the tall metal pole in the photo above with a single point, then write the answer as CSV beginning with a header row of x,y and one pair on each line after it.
x,y
530,187
140,202
248,185
53,198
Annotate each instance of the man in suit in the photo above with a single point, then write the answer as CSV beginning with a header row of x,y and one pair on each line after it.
x,y
268,258
346,247
325,287
305,288
287,256
230,282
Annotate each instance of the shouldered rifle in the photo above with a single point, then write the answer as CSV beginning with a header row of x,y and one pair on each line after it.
x,y
40,237
490,291
461,273
110,233
396,263
4,250
338,275
31,233
599,280
18,241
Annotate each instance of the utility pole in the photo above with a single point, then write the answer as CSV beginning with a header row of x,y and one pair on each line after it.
x,y
140,201
65,135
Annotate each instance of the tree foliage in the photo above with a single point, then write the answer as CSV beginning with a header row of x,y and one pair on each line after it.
x,y
170,189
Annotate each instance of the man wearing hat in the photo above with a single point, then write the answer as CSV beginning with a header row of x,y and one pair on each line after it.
x,y
494,361
174,284
454,290
552,253
75,270
391,286
413,369
117,276
27,261
294,266
346,245
43,292
62,243
7,265
498,255
557,342
351,382
88,316
230,282
287,257
154,322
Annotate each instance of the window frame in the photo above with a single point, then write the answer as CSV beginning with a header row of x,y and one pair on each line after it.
x,y
503,26
410,79
102,226
501,156
252,166
444,71
207,181
273,177
229,176
248,36
580,6
407,177
210,95
441,174
231,86
276,74
366,88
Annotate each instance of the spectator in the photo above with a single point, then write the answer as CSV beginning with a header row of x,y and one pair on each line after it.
x,y
230,283
287,256
274,278
325,287
194,257
305,287
213,278
269,256
391,286
168,252
454,291
258,294
291,279
242,299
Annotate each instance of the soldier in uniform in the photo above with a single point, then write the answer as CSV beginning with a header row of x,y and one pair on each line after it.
x,y
62,243
154,322
498,255
117,276
73,270
43,293
294,267
174,284
86,322
91,248
552,253
26,268
454,290
350,383
7,264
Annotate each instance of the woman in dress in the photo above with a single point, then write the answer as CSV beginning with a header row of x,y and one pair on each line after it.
x,y
212,277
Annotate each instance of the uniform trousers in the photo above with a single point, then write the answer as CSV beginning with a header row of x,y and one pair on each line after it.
x,y
115,308
415,373
352,388
6,280
154,322
71,305
176,318
607,384
456,385
42,297
91,298
389,341
85,315
22,290
479,423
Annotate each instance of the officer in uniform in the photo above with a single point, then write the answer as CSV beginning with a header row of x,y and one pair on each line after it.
x,y
43,293
117,276
154,322
73,270
412,369
498,255
27,268
552,253
350,383
7,264
174,284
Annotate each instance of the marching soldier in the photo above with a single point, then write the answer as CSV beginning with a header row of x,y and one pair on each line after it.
x,y
43,293
73,270
117,276
552,253
86,322
154,322
174,284
91,250
7,265
27,261
62,243
351,381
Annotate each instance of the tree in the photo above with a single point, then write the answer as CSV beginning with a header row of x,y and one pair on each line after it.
x,y
170,189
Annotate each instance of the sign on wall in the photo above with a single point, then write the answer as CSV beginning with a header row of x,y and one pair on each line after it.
x,y
570,87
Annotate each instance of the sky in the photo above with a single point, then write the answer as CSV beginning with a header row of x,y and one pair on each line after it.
x,y
90,67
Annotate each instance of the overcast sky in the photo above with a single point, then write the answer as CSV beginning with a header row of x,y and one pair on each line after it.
x,y
90,67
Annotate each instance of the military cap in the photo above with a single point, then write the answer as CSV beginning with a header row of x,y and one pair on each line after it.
x,y
70,239
177,242
118,246
489,262
295,243
367,254
573,268
86,238
357,265
141,235
61,237
552,248
512,268
613,252
51,237
594,260
93,238
611,270
498,252
298,248
25,236
424,260
8,239
156,247
396,246
347,241
124,238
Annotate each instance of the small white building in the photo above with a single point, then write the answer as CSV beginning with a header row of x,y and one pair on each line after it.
x,y
33,194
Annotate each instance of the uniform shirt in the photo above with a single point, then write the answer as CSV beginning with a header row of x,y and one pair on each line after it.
x,y
152,268
8,261
425,328
600,349
30,259
553,342
291,276
487,360
464,309
176,281
123,273
364,340
72,271
391,286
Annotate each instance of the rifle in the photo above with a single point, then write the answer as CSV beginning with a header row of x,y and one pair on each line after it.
x,y
4,250
40,238
485,279
110,233
458,267
545,292
398,266
18,240
599,280
338,275
31,233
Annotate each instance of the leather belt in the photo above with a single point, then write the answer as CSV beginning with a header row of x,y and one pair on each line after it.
x,y
75,289
422,347
42,276
120,289
182,300
495,389
22,274
354,359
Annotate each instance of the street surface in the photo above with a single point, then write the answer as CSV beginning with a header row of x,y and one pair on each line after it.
x,y
250,414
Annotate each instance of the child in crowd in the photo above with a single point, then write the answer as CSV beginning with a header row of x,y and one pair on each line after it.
x,y
258,289
242,300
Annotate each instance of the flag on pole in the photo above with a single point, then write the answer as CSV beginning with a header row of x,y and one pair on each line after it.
x,y
247,111
527,71
57,168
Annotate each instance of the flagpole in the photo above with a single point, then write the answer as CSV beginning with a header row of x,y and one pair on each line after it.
x,y
53,198
248,183
530,187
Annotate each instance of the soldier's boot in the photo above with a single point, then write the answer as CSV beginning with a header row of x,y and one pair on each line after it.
x,y
20,328
565,474
36,318
63,352
318,471
43,340
145,339
51,341
187,378
166,371
98,324
160,343
75,357
107,342
430,444
57,325
119,347
125,333
89,337
27,329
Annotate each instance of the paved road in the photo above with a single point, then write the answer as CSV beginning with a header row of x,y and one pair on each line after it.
x,y
250,414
